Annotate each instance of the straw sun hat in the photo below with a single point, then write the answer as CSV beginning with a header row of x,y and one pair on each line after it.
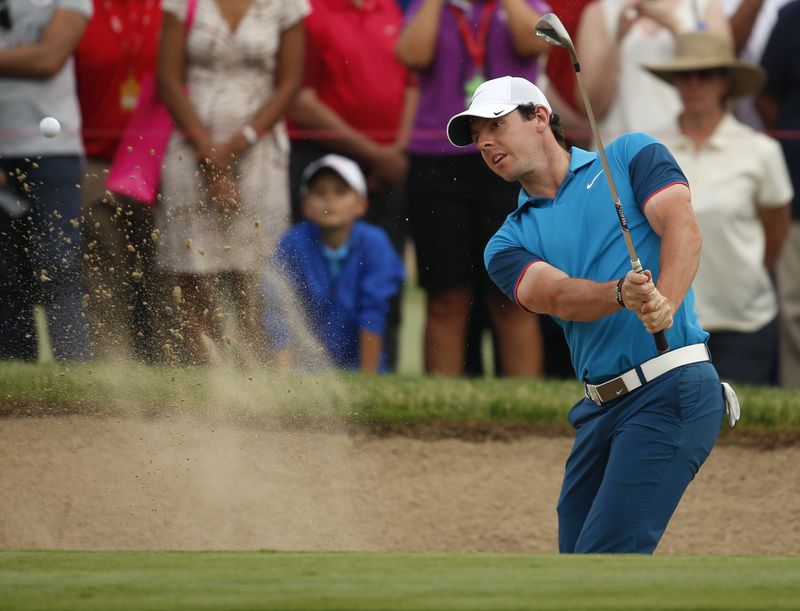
x,y
700,50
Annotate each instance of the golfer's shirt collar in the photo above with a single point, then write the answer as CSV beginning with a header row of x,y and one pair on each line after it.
x,y
578,159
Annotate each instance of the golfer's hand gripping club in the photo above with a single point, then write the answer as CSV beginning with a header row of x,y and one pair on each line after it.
x,y
551,30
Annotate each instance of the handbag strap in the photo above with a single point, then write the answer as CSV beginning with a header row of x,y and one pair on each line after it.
x,y
191,7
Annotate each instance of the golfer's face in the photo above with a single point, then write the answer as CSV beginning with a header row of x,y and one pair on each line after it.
x,y
505,144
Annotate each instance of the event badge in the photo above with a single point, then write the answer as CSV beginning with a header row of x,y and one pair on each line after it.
x,y
471,86
128,94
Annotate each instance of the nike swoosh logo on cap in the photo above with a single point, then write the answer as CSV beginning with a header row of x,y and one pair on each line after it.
x,y
497,113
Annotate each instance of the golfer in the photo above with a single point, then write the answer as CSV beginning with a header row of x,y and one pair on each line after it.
x,y
647,422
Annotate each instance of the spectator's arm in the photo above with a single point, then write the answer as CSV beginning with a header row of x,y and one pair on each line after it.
x,y
370,346
382,279
407,121
289,76
311,113
600,59
768,107
170,69
44,58
521,22
776,223
716,21
416,45
387,163
742,21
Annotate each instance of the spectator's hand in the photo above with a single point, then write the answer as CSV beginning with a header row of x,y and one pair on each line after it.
x,y
388,167
627,17
660,11
223,188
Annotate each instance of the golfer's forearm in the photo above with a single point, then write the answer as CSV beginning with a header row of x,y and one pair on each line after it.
x,y
581,300
679,260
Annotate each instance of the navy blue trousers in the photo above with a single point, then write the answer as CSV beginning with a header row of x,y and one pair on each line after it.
x,y
40,259
633,459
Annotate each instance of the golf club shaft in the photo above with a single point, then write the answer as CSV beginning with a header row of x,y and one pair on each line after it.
x,y
661,341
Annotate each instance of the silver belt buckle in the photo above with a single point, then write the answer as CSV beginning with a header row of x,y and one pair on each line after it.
x,y
594,395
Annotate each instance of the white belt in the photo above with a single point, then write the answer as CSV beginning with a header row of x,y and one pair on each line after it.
x,y
646,372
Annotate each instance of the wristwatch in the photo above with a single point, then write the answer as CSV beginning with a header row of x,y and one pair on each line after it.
x,y
249,134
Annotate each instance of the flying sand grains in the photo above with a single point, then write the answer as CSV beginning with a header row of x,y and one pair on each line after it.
x,y
189,243
177,294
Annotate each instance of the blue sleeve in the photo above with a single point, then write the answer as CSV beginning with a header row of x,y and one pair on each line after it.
x,y
277,283
383,277
652,169
506,260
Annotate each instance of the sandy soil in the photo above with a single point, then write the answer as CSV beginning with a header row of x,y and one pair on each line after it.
x,y
81,482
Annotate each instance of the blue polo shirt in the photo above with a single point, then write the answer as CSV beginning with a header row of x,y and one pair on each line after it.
x,y
578,233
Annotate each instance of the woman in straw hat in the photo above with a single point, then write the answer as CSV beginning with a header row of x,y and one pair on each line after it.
x,y
741,193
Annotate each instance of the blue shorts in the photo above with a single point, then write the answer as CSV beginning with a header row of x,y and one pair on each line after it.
x,y
633,459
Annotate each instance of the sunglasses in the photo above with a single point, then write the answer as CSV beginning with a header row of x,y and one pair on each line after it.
x,y
703,75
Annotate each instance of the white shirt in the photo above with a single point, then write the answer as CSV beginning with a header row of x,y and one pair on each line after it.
x,y
735,173
26,101
642,100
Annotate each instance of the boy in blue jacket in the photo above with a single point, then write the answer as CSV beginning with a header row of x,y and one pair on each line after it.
x,y
343,271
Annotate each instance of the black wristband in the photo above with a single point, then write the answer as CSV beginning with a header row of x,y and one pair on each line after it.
x,y
619,293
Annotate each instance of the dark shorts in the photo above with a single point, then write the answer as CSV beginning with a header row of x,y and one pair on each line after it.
x,y
749,358
455,204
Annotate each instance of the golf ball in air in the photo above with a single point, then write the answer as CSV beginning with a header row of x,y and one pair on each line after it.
x,y
49,126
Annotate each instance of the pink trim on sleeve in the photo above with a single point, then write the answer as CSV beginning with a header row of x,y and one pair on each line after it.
x,y
516,286
657,191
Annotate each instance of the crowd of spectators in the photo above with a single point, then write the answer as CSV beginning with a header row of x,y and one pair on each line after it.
x,y
309,143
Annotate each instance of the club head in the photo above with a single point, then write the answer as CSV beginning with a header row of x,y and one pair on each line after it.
x,y
550,29
12,204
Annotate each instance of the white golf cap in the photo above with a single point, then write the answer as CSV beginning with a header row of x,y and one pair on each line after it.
x,y
494,98
344,167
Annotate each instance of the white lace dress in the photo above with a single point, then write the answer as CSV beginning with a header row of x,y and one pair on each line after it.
x,y
230,75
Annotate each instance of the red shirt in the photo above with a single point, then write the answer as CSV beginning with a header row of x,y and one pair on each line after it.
x,y
559,65
120,43
350,63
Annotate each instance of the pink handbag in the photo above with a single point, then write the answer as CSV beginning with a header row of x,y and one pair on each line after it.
x,y
136,168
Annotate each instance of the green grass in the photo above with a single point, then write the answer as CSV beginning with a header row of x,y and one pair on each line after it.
x,y
262,580
374,401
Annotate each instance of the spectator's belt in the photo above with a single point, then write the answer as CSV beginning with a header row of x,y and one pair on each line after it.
x,y
646,372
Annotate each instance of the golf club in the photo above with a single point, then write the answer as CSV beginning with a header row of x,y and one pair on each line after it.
x,y
552,31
